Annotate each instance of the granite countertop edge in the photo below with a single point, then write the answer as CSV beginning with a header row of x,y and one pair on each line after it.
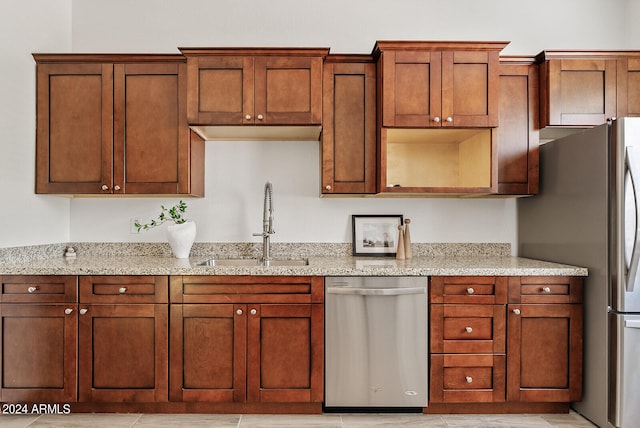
x,y
318,266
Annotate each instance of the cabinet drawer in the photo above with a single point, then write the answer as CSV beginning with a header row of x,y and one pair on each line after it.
x,y
545,289
39,289
247,289
478,290
461,378
467,329
124,289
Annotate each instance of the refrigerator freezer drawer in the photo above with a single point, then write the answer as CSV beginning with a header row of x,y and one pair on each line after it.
x,y
625,388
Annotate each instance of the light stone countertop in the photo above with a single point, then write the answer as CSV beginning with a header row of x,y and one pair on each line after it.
x,y
324,260
318,266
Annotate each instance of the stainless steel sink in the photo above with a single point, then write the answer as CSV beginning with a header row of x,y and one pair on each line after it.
x,y
255,262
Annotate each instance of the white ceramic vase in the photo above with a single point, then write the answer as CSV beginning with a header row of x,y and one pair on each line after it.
x,y
181,237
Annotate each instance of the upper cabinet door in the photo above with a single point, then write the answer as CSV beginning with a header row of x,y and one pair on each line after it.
x,y
151,138
115,124
288,90
577,92
220,90
470,88
254,86
74,127
349,127
518,135
439,84
629,86
411,88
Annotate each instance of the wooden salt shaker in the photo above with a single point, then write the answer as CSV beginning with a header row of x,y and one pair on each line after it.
x,y
407,240
400,250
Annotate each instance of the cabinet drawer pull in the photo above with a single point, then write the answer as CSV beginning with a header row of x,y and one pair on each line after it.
x,y
469,379
68,311
546,290
516,311
253,312
469,329
32,289
470,290
83,311
239,312
122,290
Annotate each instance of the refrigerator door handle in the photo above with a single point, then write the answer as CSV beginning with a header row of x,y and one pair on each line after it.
x,y
631,165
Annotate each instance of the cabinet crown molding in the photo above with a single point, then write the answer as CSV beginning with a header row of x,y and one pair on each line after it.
x,y
283,51
423,45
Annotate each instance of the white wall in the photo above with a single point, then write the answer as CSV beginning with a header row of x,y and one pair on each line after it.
x,y
236,172
26,27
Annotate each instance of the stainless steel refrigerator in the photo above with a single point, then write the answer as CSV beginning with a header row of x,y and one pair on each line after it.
x,y
588,214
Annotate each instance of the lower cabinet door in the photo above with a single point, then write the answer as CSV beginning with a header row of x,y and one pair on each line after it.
x,y
38,353
208,352
545,353
464,378
285,353
123,353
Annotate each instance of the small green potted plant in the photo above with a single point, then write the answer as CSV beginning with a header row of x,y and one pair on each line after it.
x,y
181,234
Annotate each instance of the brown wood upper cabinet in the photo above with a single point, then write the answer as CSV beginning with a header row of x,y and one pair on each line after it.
x,y
115,124
349,125
518,135
587,88
254,86
438,84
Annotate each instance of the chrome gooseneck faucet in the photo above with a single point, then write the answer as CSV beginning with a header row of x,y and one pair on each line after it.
x,y
267,223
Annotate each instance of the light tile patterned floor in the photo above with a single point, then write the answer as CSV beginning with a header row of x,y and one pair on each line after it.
x,y
293,421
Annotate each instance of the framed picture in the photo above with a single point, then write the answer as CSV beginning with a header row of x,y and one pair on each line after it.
x,y
375,235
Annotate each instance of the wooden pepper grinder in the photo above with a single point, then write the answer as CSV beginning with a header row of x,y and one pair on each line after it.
x,y
400,250
407,240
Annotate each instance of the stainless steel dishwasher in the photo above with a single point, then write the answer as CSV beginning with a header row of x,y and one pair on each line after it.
x,y
376,331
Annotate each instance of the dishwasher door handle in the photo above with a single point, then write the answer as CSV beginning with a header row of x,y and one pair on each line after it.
x,y
377,291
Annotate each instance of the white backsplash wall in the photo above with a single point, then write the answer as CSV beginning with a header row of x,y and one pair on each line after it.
x,y
232,208
26,27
